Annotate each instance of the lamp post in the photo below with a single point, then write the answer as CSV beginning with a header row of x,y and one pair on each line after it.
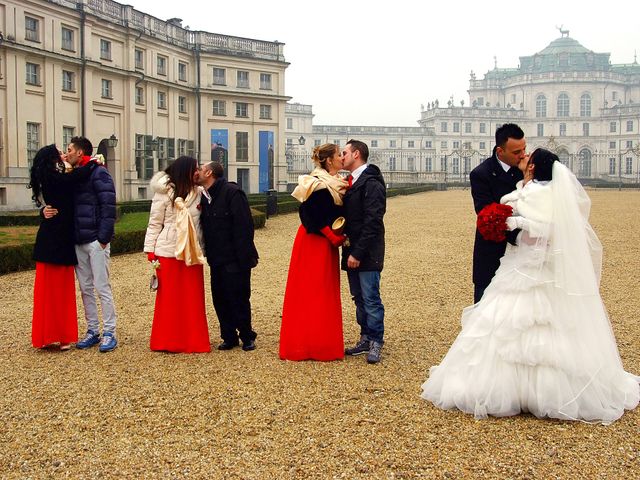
x,y
112,141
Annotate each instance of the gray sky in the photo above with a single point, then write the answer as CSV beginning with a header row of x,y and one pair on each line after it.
x,y
372,63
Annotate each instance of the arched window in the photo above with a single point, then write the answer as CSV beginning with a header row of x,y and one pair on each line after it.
x,y
563,155
585,105
584,169
563,105
541,106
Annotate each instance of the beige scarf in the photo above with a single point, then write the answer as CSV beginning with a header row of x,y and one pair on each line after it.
x,y
318,179
187,245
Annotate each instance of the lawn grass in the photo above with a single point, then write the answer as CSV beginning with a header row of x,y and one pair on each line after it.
x,y
19,235
131,222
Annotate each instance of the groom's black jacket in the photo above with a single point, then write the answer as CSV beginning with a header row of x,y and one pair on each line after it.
x,y
489,182
365,204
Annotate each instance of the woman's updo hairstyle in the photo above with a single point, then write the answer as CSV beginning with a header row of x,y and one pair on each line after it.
x,y
322,153
543,161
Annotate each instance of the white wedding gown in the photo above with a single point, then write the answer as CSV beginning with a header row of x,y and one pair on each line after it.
x,y
540,340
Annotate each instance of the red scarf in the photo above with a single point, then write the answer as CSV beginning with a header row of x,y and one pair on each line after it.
x,y
84,160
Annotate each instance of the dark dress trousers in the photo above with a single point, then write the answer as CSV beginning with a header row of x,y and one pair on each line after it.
x,y
489,182
227,227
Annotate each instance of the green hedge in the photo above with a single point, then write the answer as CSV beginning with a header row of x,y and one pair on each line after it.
x,y
14,258
20,219
135,206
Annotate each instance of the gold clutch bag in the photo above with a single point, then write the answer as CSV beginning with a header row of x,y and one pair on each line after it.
x,y
338,225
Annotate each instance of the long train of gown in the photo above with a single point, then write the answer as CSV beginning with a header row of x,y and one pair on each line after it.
x,y
528,346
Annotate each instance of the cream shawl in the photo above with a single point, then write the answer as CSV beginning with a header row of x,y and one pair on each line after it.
x,y
187,245
318,179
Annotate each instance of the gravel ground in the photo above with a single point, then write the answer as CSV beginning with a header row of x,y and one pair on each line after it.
x,y
138,414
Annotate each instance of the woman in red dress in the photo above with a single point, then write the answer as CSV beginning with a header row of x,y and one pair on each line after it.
x,y
173,239
54,319
312,311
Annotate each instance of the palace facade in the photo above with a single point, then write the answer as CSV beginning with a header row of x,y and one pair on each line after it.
x,y
566,98
143,90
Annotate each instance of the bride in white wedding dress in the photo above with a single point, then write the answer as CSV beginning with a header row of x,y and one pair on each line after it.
x,y
540,340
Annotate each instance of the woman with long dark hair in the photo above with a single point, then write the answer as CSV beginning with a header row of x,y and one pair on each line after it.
x,y
173,240
312,311
54,319
539,340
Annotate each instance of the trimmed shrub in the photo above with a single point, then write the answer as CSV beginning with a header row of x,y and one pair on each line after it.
x,y
20,219
14,258
135,206
128,242
259,218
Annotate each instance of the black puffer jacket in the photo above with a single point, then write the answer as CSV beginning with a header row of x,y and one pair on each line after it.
x,y
365,204
95,202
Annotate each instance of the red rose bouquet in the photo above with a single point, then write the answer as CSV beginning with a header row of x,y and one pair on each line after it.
x,y
492,222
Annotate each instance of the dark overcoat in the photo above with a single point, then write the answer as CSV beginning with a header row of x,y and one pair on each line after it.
x,y
489,183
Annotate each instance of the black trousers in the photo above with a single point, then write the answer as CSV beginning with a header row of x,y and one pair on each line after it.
x,y
478,291
231,292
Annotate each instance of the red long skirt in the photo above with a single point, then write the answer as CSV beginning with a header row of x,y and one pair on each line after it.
x,y
54,316
312,311
180,317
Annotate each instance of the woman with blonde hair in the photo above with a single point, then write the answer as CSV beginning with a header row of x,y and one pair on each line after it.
x,y
173,240
312,311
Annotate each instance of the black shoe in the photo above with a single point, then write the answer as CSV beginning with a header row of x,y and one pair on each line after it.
x,y
362,346
227,345
248,346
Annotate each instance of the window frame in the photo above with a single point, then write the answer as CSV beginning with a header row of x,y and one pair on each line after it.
x,y
216,78
182,104
219,103
242,82
242,146
32,34
33,77
266,81
67,44
265,112
105,53
68,81
161,100
106,88
242,107
161,65
139,96
33,144
182,71
138,62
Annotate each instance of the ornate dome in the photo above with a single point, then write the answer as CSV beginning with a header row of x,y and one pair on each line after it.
x,y
564,45
565,54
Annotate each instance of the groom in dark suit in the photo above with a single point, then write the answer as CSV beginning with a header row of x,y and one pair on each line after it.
x,y
494,177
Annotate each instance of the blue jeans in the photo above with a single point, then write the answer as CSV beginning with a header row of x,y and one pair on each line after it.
x,y
365,291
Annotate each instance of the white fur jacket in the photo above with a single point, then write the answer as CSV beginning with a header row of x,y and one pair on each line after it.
x,y
161,232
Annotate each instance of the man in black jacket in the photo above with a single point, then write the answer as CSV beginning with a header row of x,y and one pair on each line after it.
x,y
364,208
227,227
494,177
